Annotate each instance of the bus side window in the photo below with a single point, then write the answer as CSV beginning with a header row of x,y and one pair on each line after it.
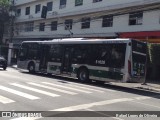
x,y
79,54
118,55
23,54
100,55
55,53
33,51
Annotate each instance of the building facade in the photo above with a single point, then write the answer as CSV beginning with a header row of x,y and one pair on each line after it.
x,y
87,18
50,19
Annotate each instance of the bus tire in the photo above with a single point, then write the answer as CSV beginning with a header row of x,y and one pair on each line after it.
x,y
31,68
83,75
4,68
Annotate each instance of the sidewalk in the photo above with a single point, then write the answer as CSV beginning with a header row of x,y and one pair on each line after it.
x,y
153,87
148,87
13,66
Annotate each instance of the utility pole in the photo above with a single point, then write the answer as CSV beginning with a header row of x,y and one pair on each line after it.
x,y
12,15
146,64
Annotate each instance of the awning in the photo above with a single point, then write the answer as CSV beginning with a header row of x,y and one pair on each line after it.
x,y
140,34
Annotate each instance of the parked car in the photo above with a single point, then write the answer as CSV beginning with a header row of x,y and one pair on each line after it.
x,y
3,62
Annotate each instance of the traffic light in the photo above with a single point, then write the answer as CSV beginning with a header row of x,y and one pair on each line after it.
x,y
44,12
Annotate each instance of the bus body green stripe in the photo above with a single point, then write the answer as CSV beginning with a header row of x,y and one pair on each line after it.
x,y
106,74
103,74
53,67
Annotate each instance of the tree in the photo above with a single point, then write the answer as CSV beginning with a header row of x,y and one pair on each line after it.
x,y
4,16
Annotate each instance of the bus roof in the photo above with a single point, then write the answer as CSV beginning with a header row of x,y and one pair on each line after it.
x,y
81,41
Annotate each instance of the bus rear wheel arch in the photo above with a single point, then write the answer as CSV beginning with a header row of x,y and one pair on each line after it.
x,y
31,67
83,75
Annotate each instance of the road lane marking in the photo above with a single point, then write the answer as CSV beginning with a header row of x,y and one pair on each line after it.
x,y
51,88
13,76
101,103
52,84
10,76
35,90
85,88
5,100
22,94
142,98
89,105
91,86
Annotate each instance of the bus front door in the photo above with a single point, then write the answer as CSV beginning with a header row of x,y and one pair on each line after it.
x,y
66,62
139,59
44,55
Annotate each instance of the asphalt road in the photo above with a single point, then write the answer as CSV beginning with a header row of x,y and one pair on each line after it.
x,y
20,91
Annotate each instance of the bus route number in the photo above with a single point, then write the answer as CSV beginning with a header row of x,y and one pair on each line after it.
x,y
101,62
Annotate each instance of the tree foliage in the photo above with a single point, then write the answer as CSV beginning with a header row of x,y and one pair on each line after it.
x,y
4,2
155,58
155,54
4,10
4,16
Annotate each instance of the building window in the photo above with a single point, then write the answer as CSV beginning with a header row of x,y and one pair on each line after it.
x,y
29,26
85,23
21,27
27,10
94,1
18,12
38,8
68,24
62,4
41,26
53,25
107,21
49,6
135,18
78,2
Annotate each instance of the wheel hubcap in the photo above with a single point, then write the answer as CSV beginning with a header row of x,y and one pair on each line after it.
x,y
83,76
31,68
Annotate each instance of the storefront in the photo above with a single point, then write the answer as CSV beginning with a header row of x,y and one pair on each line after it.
x,y
149,36
153,64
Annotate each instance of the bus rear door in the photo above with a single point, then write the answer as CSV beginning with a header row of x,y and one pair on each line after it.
x,y
66,62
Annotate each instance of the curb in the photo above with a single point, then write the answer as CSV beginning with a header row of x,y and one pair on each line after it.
x,y
138,87
14,67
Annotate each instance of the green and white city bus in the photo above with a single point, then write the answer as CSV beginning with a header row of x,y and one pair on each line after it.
x,y
103,60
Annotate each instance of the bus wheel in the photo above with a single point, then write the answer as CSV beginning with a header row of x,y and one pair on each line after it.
x,y
4,68
83,75
31,68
